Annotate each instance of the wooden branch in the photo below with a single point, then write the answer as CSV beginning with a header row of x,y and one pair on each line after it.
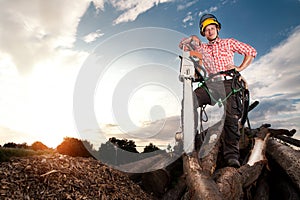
x,y
277,132
50,172
258,151
287,158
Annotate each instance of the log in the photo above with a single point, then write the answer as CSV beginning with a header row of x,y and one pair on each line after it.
x,y
263,189
156,182
289,140
226,183
200,184
278,132
200,166
281,187
177,191
260,142
231,181
287,158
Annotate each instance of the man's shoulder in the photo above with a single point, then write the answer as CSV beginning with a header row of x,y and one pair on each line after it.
x,y
227,40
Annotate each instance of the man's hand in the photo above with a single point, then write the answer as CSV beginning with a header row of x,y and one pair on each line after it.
x,y
189,43
230,66
195,40
246,62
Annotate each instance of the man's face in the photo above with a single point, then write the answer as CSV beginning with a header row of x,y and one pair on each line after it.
x,y
211,32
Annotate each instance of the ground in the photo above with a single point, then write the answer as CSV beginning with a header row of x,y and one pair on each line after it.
x,y
56,176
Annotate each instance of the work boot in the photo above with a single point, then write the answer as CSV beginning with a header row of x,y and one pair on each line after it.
x,y
233,163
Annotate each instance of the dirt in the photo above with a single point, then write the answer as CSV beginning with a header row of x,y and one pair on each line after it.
x,y
58,176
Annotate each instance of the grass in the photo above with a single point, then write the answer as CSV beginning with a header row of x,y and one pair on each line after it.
x,y
7,153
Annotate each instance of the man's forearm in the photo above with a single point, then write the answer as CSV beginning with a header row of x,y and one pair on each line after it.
x,y
246,62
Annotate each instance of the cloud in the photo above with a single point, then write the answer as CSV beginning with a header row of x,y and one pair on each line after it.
x,y
38,67
9,135
210,10
160,132
133,8
35,29
185,6
277,72
91,37
274,80
272,107
99,4
188,19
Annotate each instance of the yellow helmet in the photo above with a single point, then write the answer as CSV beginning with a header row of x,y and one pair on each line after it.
x,y
206,20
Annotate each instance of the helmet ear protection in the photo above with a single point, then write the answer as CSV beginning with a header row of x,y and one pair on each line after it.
x,y
206,20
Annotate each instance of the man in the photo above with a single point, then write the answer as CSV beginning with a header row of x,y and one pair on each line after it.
x,y
218,55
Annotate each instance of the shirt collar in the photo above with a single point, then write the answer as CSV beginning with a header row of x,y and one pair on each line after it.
x,y
217,40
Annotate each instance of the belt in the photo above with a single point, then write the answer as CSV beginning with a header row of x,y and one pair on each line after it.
x,y
221,78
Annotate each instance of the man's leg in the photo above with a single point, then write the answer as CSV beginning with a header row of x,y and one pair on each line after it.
x,y
201,99
232,134
202,96
231,142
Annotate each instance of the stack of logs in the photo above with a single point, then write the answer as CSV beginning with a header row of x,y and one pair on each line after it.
x,y
270,170
205,182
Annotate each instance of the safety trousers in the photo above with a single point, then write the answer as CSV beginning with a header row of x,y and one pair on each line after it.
x,y
209,96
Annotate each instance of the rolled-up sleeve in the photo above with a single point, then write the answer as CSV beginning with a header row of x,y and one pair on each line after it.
x,y
242,48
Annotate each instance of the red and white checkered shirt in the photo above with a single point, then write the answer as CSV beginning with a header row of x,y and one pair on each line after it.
x,y
217,55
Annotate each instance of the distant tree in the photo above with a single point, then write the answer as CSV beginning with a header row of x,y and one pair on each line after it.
x,y
10,145
14,145
23,146
116,151
74,147
88,146
169,148
150,148
38,146
126,145
108,153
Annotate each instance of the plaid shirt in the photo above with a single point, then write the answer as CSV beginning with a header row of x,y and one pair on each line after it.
x,y
217,55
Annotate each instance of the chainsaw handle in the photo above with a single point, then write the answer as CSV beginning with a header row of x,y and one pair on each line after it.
x,y
196,54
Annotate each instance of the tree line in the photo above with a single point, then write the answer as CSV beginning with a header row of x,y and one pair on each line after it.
x,y
114,151
34,146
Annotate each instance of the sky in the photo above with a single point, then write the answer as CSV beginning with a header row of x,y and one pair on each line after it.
x,y
94,70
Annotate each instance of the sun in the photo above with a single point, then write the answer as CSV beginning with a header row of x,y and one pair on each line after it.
x,y
50,97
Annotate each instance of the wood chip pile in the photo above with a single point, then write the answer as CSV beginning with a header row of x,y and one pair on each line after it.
x,y
63,177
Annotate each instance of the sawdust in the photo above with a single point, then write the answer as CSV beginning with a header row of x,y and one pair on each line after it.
x,y
58,176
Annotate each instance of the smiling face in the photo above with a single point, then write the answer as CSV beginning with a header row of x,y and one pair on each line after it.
x,y
211,32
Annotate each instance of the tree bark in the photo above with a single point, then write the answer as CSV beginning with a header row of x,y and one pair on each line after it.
x,y
229,183
176,192
287,158
200,184
156,181
289,140
200,166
